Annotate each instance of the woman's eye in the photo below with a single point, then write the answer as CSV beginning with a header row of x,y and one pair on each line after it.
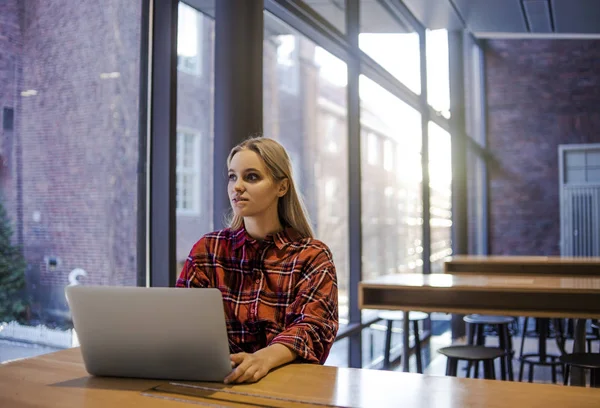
x,y
252,177
231,177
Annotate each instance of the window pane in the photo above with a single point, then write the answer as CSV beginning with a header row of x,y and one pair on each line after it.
x,y
438,74
391,43
312,126
392,234
195,111
190,32
333,11
440,184
69,89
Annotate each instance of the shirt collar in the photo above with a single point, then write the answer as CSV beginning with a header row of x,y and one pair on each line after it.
x,y
280,239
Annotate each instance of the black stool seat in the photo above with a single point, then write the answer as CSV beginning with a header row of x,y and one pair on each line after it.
x,y
471,353
487,319
590,361
399,315
583,360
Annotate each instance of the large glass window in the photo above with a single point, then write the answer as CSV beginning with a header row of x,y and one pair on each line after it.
x,y
391,43
438,73
195,129
391,184
68,184
440,188
309,119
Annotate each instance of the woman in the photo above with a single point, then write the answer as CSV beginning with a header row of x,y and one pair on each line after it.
x,y
278,283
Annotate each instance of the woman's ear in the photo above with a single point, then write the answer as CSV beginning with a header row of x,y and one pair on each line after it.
x,y
284,186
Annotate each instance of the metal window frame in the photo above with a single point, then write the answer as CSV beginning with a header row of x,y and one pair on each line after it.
x,y
161,218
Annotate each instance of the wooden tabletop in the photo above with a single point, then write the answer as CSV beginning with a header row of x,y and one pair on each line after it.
x,y
548,265
522,295
59,380
519,259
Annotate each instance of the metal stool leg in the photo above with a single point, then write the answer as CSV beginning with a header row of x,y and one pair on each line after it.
x,y
388,345
480,341
521,369
503,346
566,374
595,378
418,346
531,366
452,367
489,370
523,336
509,352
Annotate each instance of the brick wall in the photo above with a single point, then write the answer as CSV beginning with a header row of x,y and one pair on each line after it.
x,y
540,93
10,45
76,126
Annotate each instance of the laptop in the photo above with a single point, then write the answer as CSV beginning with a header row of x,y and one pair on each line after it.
x,y
159,333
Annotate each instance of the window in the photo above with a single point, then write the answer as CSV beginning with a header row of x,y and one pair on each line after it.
x,y
188,172
73,203
195,134
287,63
582,166
312,127
440,189
391,43
189,40
8,119
392,201
388,155
373,149
438,72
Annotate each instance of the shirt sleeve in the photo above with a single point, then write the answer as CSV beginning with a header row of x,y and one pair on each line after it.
x,y
194,272
311,321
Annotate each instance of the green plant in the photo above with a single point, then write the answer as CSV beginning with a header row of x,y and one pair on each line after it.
x,y
13,304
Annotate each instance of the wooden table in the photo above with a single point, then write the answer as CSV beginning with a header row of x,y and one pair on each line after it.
x,y
522,295
60,380
523,265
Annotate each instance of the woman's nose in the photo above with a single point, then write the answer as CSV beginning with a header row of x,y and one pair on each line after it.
x,y
238,186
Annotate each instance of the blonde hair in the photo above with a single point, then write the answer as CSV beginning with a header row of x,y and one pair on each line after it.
x,y
290,208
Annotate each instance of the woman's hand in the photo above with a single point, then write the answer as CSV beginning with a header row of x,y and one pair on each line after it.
x,y
248,368
251,367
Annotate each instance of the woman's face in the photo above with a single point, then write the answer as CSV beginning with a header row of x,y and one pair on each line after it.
x,y
252,190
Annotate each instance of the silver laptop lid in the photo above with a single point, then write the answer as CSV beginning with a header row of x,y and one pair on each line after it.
x,y
166,333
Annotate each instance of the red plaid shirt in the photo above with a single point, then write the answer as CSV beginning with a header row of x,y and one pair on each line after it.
x,y
279,290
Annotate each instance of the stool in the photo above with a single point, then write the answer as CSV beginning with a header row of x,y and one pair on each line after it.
x,y
541,357
472,354
590,361
397,315
594,335
475,326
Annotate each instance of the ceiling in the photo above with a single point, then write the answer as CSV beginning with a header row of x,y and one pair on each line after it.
x,y
511,18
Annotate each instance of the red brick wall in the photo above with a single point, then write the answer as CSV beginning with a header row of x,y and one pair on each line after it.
x,y
540,93
10,46
76,140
